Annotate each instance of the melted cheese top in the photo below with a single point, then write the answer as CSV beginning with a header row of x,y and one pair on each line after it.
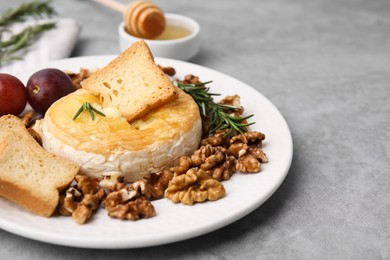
x,y
113,134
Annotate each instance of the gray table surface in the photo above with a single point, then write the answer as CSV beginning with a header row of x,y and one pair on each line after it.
x,y
326,66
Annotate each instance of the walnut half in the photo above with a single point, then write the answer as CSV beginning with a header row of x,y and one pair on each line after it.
x,y
194,186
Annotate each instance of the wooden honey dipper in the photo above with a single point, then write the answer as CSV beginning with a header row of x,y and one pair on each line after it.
x,y
141,18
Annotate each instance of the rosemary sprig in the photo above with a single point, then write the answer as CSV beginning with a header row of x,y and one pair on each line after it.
x,y
199,92
88,107
35,8
220,119
219,114
22,40
26,37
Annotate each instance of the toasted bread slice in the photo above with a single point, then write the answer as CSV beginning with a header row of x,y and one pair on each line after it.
x,y
132,83
30,176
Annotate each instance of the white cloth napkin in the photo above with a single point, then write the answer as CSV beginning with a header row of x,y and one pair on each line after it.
x,y
54,44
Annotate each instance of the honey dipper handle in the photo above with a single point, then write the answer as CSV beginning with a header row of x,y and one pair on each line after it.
x,y
113,5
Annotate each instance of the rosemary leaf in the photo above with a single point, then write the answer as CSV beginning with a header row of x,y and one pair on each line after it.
x,y
97,111
88,107
92,114
81,109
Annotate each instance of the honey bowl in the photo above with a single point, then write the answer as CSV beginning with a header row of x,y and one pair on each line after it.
x,y
180,39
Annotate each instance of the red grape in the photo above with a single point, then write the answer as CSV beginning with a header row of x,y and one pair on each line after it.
x,y
47,86
13,95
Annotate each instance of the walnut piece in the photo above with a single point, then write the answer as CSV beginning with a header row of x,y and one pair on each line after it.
x,y
26,119
124,204
81,200
91,201
237,149
218,139
225,170
247,163
133,210
86,185
191,79
112,181
118,197
29,122
170,71
246,148
85,208
249,138
153,185
77,78
81,214
207,157
233,101
257,153
132,202
194,186
211,160
185,163
68,203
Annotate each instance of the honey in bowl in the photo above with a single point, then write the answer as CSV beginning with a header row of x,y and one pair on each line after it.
x,y
185,46
172,32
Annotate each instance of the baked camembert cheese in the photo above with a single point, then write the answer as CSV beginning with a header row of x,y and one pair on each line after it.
x,y
111,143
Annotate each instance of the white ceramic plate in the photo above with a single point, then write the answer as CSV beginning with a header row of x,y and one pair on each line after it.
x,y
173,222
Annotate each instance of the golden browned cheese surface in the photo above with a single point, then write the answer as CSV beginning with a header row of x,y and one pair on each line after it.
x,y
107,135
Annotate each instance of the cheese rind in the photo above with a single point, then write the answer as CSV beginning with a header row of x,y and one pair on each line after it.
x,y
112,144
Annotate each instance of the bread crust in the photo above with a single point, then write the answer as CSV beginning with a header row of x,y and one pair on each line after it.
x,y
36,204
29,175
132,83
